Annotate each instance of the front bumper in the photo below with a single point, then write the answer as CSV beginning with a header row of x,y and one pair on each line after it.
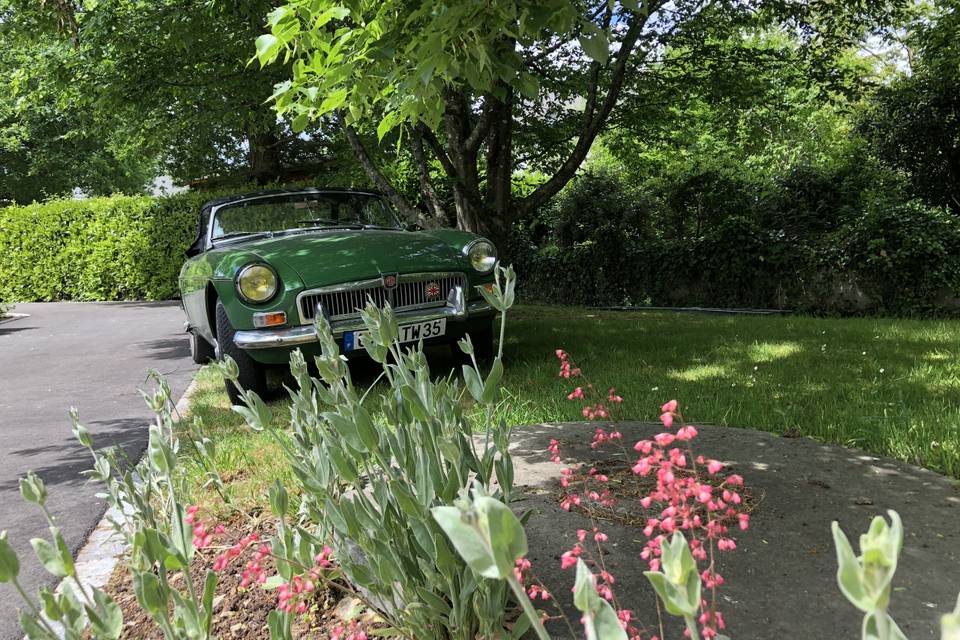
x,y
460,310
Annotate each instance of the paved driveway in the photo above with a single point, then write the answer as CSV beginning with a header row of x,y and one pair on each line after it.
x,y
93,356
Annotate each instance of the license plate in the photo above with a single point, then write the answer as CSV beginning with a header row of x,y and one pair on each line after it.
x,y
408,333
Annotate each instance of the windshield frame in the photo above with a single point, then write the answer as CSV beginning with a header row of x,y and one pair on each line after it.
x,y
213,241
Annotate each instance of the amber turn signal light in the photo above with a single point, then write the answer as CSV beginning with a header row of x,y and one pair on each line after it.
x,y
271,319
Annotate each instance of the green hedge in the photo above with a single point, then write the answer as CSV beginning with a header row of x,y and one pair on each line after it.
x,y
115,248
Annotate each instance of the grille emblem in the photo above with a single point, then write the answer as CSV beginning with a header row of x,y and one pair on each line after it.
x,y
390,281
432,290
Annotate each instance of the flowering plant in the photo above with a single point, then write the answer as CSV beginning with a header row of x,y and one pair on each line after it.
x,y
371,466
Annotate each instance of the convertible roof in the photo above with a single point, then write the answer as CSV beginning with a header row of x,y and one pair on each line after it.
x,y
279,192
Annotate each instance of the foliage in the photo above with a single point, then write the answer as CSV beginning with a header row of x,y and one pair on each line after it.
x,y
904,256
73,608
134,86
451,78
116,248
817,235
50,143
370,473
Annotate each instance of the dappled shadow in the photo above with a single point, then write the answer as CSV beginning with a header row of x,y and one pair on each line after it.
x,y
800,487
890,386
65,461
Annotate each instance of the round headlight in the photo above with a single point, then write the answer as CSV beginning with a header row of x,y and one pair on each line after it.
x,y
482,255
256,283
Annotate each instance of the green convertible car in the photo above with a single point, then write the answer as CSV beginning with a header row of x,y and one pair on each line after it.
x,y
263,265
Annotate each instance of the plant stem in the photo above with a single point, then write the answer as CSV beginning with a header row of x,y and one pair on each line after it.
x,y
527,606
33,607
692,627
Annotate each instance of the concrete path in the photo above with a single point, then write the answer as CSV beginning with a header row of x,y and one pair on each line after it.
x,y
781,579
93,356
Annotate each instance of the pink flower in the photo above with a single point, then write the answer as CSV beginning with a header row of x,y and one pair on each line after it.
x,y
576,394
664,439
561,354
714,467
686,433
666,419
670,407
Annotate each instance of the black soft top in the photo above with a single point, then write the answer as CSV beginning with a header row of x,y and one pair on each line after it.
x,y
199,242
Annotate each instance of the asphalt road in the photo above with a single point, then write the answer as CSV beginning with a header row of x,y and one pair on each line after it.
x,y
93,356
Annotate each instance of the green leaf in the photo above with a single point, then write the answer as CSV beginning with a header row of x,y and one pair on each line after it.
x,y
32,489
585,597
32,628
849,571
267,46
49,557
106,621
300,122
596,47
389,121
9,564
150,594
606,624
333,101
491,387
466,540
472,379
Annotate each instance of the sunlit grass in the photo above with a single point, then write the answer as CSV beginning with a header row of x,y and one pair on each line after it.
x,y
891,387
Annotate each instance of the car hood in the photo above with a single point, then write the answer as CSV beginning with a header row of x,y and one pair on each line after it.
x,y
332,257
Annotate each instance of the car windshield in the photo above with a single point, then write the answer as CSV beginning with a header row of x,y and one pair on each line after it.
x,y
295,211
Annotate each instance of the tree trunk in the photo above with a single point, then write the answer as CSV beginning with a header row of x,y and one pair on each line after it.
x,y
263,157
499,214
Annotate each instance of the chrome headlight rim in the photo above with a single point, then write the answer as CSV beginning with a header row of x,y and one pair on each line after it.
x,y
244,271
491,254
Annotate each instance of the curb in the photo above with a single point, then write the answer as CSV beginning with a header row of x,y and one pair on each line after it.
x,y
97,558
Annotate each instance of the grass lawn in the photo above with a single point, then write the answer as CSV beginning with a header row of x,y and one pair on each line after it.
x,y
891,387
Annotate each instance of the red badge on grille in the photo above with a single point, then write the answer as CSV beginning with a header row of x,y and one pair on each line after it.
x,y
390,281
432,290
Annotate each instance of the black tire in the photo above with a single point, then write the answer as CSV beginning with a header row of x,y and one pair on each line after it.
x,y
253,375
201,351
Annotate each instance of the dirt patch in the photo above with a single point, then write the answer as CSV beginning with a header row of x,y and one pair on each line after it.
x,y
241,612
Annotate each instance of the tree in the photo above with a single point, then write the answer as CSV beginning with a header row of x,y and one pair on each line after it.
x,y
171,79
465,82
48,141
914,121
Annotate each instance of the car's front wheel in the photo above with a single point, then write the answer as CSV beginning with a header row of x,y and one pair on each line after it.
x,y
253,375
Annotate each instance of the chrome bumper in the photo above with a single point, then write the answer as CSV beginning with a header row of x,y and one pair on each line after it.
x,y
304,334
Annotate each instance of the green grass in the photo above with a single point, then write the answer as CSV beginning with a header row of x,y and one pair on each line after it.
x,y
891,387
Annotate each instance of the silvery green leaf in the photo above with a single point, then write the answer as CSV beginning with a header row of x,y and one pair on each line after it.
x,y
106,619
49,557
871,627
32,628
950,624
585,597
491,386
9,564
850,572
474,385
32,489
467,540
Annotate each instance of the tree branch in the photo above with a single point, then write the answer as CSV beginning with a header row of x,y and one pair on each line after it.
x,y
591,128
375,175
426,185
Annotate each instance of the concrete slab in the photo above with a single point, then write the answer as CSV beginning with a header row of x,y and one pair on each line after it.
x,y
781,579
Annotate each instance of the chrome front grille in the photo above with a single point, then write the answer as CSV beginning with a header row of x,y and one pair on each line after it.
x,y
413,291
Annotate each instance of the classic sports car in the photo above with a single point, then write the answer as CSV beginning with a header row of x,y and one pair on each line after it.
x,y
264,264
